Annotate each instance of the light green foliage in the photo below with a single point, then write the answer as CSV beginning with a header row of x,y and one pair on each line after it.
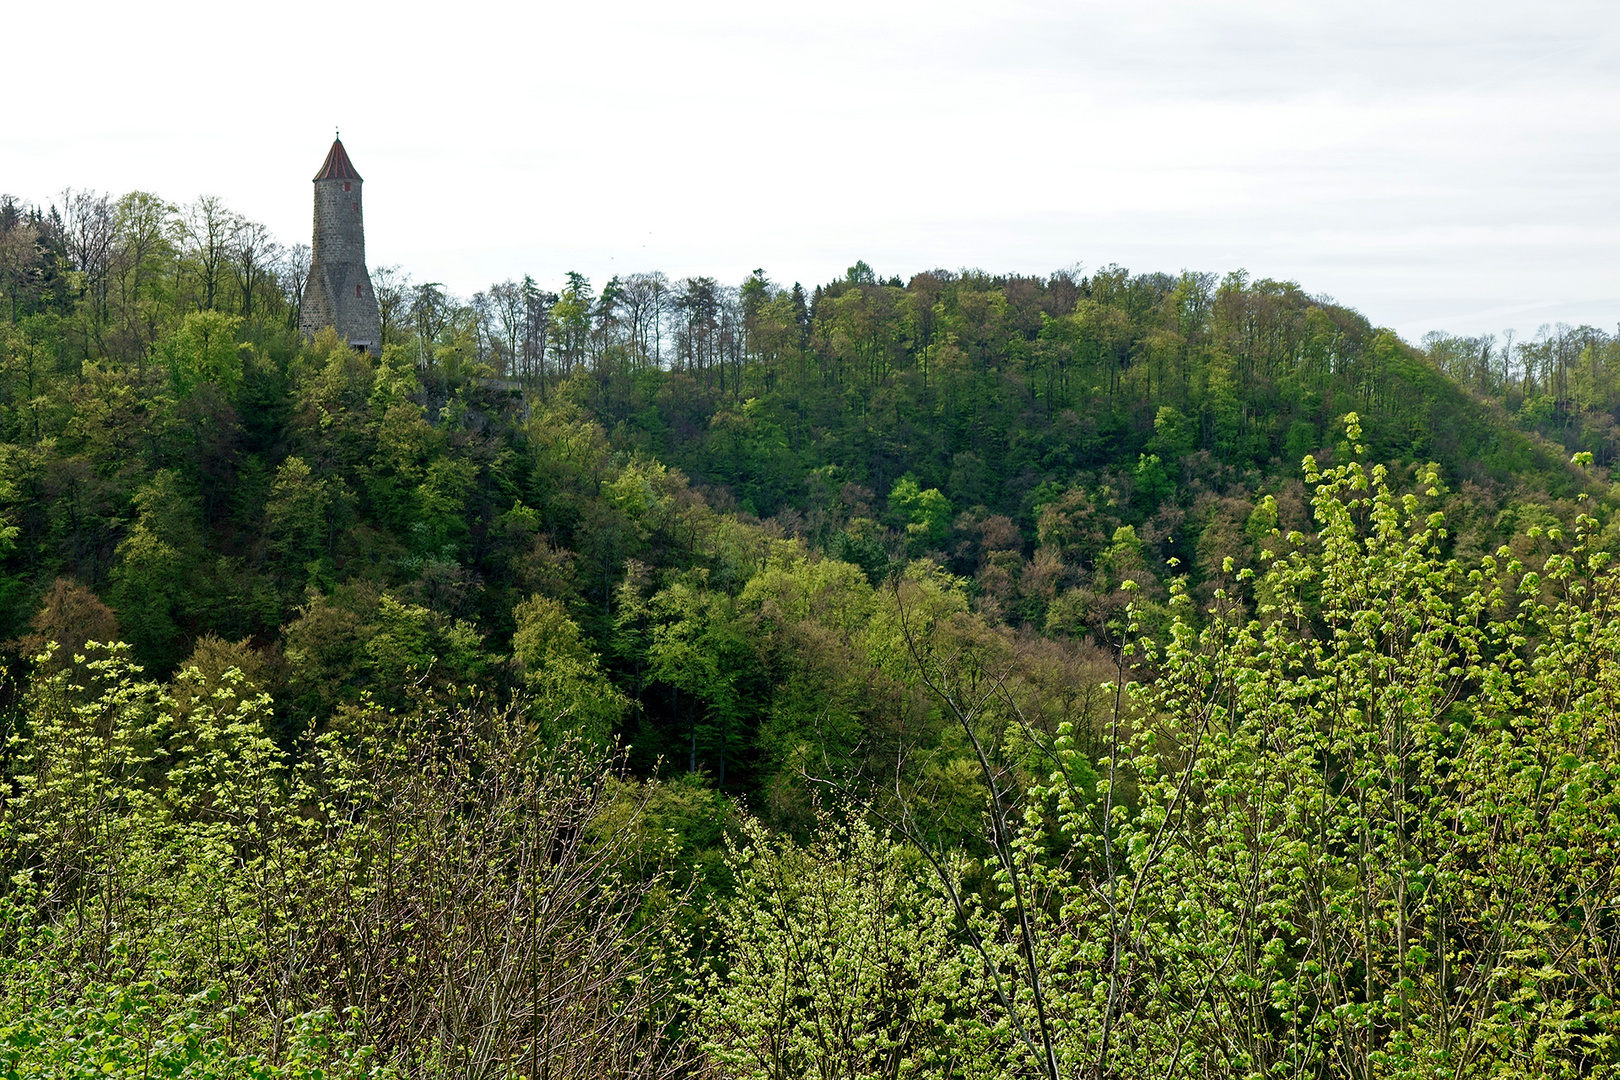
x,y
184,901
792,587
925,514
568,687
836,965
396,380
1262,520
1153,482
142,1029
640,493
358,642
414,486
1174,435
440,523
567,449
204,349
571,320
297,514
810,619
10,469
700,647
408,639
81,773
1366,828
926,602
153,583
1380,846
1357,818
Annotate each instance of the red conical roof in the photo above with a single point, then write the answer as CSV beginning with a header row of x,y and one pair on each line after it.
x,y
337,165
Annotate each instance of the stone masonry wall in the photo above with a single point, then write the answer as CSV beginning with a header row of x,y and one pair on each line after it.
x,y
338,293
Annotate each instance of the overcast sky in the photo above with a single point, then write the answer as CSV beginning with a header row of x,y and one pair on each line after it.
x,y
1435,164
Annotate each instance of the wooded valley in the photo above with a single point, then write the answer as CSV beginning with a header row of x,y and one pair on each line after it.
x,y
1098,674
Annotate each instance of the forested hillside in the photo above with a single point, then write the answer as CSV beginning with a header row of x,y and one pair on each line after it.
x,y
1099,674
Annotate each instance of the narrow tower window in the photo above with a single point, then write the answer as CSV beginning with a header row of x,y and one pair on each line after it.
x,y
345,185
357,290
357,206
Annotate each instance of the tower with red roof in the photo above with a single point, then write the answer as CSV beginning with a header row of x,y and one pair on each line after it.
x,y
338,292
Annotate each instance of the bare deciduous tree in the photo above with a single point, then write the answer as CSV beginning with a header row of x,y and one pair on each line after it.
x,y
392,287
537,304
207,232
89,229
643,299
292,271
487,901
253,258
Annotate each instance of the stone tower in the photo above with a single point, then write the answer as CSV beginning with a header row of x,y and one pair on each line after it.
x,y
338,291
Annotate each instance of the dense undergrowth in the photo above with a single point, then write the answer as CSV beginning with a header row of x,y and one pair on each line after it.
x,y
1369,828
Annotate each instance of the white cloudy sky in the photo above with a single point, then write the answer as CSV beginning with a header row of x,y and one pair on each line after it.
x,y
1437,164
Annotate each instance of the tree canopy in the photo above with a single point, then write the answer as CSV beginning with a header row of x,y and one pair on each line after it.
x,y
1097,674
